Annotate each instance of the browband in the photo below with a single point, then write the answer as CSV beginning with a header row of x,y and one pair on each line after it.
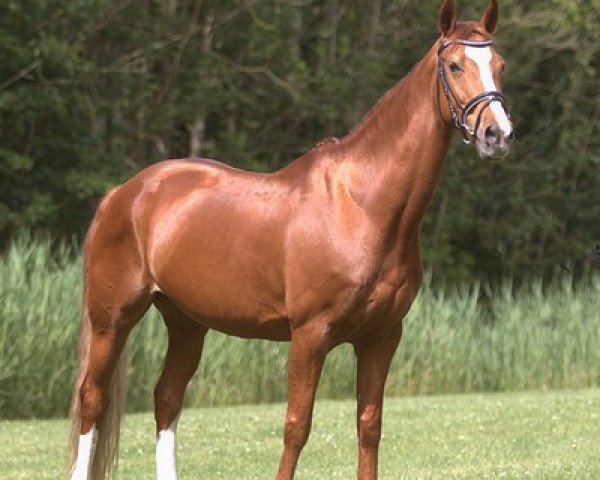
x,y
467,43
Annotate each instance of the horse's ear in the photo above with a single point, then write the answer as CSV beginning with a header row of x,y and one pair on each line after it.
x,y
490,17
447,17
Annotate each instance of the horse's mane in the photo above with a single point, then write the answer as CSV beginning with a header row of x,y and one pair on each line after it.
x,y
327,141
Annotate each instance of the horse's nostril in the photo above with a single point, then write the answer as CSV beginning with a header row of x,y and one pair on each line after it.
x,y
511,137
491,133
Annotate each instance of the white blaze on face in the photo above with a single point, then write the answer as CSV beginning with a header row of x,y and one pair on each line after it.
x,y
482,56
85,452
166,463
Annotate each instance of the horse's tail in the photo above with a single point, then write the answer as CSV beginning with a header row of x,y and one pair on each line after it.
x,y
107,437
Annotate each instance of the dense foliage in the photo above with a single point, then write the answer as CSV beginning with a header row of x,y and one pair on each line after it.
x,y
460,340
93,90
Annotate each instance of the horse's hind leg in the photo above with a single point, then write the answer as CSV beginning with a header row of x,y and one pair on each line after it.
x,y
115,299
186,339
102,389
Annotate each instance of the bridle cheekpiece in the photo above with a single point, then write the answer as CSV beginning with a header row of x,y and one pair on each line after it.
x,y
459,112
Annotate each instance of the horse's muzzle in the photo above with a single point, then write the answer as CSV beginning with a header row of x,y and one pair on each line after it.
x,y
494,142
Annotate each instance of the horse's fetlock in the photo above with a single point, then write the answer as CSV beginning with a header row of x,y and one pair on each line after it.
x,y
93,402
166,406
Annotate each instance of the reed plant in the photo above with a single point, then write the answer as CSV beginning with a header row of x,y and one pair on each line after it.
x,y
466,339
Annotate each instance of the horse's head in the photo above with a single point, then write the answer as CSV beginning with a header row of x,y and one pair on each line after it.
x,y
469,71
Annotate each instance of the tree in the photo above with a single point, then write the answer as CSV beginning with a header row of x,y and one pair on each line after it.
x,y
91,92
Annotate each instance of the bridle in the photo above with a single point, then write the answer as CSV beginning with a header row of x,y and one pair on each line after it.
x,y
459,113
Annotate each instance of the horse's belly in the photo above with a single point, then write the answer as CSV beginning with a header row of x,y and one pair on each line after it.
x,y
234,308
277,329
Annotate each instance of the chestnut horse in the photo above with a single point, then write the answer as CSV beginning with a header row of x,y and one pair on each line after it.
x,y
322,252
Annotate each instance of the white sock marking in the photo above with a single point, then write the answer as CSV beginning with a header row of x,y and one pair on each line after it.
x,y
166,457
482,56
85,453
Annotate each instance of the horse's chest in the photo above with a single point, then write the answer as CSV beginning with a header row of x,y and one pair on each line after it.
x,y
375,310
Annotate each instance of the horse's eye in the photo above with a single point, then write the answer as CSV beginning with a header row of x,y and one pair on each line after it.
x,y
455,67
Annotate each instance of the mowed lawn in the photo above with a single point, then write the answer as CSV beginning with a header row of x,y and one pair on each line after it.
x,y
549,435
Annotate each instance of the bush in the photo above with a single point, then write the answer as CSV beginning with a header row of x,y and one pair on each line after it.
x,y
461,340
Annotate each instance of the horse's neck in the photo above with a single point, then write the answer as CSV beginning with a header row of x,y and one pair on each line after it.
x,y
398,152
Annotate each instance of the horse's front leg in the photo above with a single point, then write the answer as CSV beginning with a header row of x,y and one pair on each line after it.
x,y
374,356
308,350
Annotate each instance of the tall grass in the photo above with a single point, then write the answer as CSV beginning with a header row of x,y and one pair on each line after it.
x,y
516,339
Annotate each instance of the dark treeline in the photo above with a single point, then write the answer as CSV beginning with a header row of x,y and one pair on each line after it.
x,y
93,90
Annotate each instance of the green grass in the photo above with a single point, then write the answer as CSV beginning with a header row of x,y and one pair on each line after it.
x,y
552,435
464,340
